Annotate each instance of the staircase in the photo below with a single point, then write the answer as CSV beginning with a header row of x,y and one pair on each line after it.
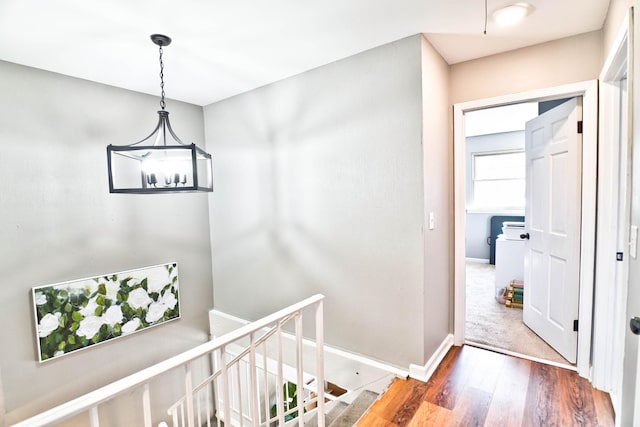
x,y
236,386
346,415
241,381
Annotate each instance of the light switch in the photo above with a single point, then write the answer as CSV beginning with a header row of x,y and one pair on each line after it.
x,y
633,241
432,221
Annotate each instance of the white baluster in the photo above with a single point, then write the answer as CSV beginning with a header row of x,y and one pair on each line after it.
x,y
209,404
188,385
253,382
94,419
146,405
198,407
225,386
280,378
267,409
175,418
300,373
239,392
320,361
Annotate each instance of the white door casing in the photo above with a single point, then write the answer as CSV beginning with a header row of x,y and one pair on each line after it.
x,y
552,217
613,215
589,91
629,412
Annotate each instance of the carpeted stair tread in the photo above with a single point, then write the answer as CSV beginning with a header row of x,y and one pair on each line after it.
x,y
338,408
355,410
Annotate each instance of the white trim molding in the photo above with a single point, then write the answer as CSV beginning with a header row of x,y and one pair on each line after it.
x,y
613,214
423,373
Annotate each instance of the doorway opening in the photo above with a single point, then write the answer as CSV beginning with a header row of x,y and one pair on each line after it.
x,y
586,229
495,218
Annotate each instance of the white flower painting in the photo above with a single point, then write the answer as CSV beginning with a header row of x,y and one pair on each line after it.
x,y
73,315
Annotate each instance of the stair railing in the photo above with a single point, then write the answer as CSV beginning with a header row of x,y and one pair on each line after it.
x,y
247,392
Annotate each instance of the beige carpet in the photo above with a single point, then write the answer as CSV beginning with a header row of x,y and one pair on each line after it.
x,y
491,323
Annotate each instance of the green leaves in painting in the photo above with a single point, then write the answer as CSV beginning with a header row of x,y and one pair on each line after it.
x,y
79,314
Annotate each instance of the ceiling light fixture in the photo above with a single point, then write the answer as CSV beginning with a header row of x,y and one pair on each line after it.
x,y
512,14
159,167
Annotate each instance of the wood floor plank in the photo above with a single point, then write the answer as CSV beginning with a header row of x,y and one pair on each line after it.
x,y
449,379
383,405
398,404
372,420
524,393
443,370
576,400
507,404
603,407
541,406
429,414
411,403
471,408
486,369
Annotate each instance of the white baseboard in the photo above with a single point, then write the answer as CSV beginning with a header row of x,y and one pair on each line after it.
x,y
347,369
423,373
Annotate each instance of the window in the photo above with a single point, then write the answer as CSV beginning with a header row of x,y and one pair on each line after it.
x,y
499,180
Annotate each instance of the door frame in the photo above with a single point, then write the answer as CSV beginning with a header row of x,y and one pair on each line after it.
x,y
589,91
613,154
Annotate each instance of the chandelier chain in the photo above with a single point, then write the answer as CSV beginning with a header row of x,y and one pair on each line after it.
x,y
486,17
162,103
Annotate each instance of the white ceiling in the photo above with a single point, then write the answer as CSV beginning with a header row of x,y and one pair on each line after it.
x,y
222,48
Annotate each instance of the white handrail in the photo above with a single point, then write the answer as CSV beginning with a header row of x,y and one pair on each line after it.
x,y
91,400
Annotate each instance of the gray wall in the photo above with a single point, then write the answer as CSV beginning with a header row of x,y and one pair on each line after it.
x,y
320,190
60,223
478,229
438,188
478,226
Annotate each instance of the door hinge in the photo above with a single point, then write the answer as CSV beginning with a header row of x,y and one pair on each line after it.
x,y
575,325
619,256
579,126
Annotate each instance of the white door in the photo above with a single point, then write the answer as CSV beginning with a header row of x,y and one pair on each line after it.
x,y
552,216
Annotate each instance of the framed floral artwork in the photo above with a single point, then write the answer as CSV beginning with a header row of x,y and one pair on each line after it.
x,y
74,315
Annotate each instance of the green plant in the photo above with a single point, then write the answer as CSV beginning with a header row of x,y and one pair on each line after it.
x,y
290,400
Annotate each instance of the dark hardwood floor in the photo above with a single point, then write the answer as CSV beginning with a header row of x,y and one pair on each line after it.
x,y
475,387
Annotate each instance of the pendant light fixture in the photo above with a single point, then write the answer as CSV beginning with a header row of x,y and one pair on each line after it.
x,y
161,162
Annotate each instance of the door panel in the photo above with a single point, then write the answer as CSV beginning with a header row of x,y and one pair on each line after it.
x,y
559,190
552,215
536,295
557,276
537,171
